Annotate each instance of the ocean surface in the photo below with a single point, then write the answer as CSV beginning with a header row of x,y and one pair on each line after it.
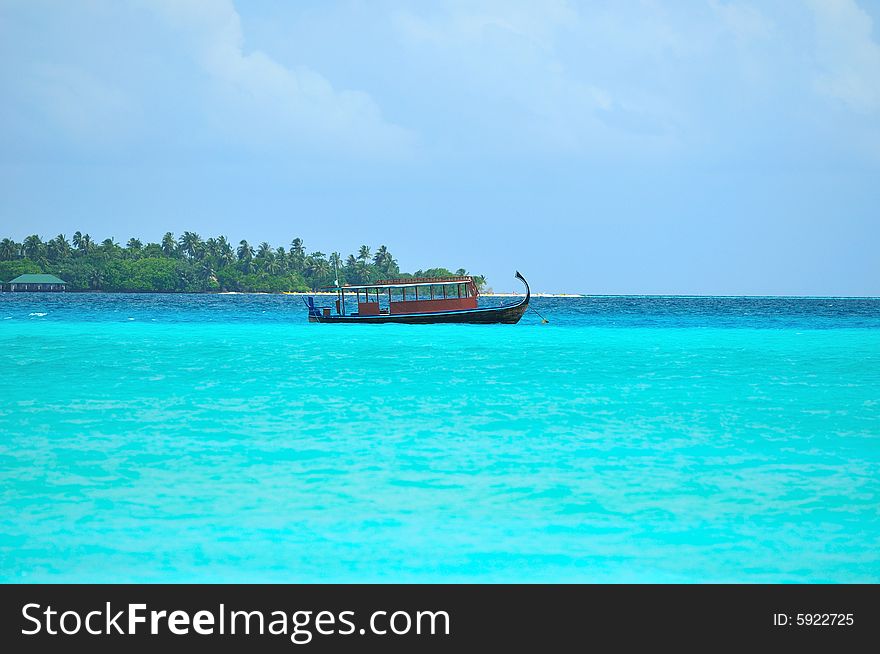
x,y
214,438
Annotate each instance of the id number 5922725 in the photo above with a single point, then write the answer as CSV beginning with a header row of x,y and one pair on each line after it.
x,y
823,619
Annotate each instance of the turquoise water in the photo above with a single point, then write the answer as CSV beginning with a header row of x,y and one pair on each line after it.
x,y
222,438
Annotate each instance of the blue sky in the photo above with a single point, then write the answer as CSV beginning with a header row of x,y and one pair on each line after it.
x,y
601,147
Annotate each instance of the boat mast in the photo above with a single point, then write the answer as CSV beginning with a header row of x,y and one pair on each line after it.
x,y
340,294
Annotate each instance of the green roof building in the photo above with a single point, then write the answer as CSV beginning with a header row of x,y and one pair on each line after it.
x,y
37,283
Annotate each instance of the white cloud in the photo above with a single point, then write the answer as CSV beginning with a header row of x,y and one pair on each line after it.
x,y
652,79
86,108
745,22
262,102
847,54
648,79
469,22
504,61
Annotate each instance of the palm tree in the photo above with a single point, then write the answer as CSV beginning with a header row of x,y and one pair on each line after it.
x,y
317,267
8,249
190,244
32,247
152,251
245,250
54,250
391,266
211,252
225,254
82,242
297,255
385,262
317,261
352,271
96,279
264,251
62,245
264,257
169,245
363,261
109,245
281,259
208,272
245,255
133,248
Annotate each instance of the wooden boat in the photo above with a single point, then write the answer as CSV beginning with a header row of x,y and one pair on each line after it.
x,y
442,299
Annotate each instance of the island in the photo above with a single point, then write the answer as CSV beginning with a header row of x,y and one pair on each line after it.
x,y
191,264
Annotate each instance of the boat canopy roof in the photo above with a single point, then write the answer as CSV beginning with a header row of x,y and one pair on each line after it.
x,y
405,282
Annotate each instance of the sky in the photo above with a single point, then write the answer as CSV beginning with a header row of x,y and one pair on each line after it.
x,y
643,147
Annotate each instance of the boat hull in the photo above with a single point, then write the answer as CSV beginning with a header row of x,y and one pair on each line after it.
x,y
509,315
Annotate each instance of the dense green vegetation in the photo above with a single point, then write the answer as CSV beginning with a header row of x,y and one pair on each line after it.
x,y
191,264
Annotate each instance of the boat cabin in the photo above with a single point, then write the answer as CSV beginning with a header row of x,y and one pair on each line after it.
x,y
406,296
